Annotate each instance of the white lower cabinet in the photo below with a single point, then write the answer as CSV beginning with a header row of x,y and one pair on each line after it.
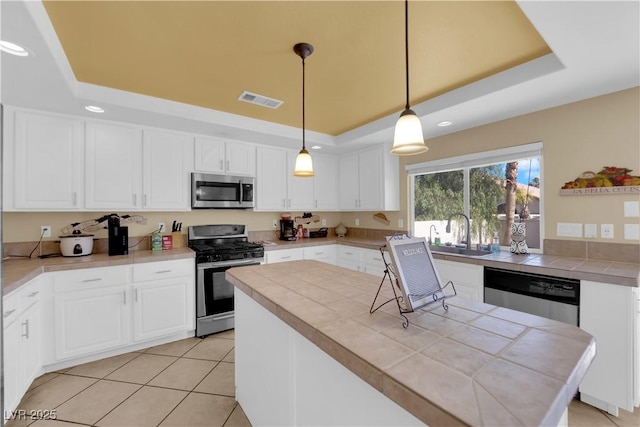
x,y
165,306
101,309
372,262
468,279
609,313
283,255
90,321
324,253
349,257
22,342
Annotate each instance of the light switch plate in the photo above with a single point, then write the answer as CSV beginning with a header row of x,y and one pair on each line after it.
x,y
632,231
631,209
591,231
400,223
357,221
324,222
606,231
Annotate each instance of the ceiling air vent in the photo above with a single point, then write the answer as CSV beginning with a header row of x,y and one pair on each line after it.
x,y
263,101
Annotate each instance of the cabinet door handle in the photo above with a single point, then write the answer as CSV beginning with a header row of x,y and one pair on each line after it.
x,y
136,294
288,203
8,313
315,204
227,169
284,203
92,280
144,200
135,199
163,271
124,294
221,165
74,198
33,294
26,329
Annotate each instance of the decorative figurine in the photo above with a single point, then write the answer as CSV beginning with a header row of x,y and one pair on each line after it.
x,y
518,238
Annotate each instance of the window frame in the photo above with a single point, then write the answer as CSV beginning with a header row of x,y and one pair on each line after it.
x,y
474,160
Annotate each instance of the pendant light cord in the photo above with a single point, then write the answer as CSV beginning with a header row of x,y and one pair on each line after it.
x,y
303,115
406,52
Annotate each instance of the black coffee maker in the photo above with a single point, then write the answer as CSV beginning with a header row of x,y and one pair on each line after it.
x,y
288,230
118,237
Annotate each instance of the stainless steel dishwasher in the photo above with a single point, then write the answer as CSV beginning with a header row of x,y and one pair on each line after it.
x,y
546,296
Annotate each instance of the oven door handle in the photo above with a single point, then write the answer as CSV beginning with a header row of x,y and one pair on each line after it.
x,y
231,263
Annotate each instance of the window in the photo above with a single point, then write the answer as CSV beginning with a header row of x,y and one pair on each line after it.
x,y
493,189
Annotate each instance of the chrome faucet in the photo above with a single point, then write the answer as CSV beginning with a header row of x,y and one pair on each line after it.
x,y
468,230
432,227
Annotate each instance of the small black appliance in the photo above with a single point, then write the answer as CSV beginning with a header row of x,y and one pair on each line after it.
x,y
288,230
118,237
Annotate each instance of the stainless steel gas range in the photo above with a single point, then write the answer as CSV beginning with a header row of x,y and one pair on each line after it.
x,y
218,248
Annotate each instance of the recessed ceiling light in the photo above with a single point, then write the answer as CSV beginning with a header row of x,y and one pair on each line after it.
x,y
316,147
93,109
13,48
445,123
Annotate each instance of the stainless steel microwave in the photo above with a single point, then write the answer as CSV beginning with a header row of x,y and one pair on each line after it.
x,y
210,191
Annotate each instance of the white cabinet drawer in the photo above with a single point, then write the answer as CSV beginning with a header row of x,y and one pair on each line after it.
x,y
90,278
325,253
373,257
30,294
10,308
283,255
349,252
163,270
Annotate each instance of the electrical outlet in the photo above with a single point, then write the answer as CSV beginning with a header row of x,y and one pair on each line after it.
x,y
400,223
275,223
161,227
606,231
45,231
324,222
357,221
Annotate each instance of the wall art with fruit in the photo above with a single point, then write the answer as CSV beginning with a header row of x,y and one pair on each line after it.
x,y
610,180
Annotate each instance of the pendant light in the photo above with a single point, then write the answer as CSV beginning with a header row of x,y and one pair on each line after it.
x,y
304,165
408,138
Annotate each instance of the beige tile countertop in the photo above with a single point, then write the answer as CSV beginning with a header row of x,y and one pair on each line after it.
x,y
475,364
17,271
617,273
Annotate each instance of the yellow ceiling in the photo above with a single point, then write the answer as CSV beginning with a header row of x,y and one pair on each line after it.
x,y
206,53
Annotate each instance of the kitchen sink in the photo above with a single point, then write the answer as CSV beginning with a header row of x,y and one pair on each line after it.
x,y
458,251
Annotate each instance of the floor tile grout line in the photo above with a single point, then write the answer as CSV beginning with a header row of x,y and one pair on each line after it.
x,y
119,404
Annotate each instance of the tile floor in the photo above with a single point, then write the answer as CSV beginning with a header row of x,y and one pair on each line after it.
x,y
184,383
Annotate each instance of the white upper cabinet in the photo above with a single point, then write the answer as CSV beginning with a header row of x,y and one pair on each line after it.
x,y
271,179
214,155
349,181
325,183
128,168
279,190
167,160
300,190
43,161
369,180
113,166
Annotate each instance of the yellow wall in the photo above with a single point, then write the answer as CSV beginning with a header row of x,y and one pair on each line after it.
x,y
577,137
586,135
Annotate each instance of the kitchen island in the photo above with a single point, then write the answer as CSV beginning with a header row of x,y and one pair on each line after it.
x,y
309,352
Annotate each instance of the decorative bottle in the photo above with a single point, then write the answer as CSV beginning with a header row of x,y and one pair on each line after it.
x,y
495,246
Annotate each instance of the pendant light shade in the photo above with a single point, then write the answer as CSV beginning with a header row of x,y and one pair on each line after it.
x,y
408,138
304,164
